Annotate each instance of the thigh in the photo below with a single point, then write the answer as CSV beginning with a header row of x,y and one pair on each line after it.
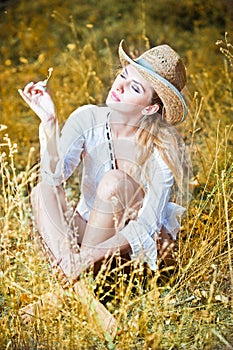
x,y
118,191
55,219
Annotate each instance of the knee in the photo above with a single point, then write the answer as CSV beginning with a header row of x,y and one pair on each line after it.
x,y
113,183
47,197
37,190
43,192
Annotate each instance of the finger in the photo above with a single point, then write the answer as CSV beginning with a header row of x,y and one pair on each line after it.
x,y
35,88
40,86
28,87
25,97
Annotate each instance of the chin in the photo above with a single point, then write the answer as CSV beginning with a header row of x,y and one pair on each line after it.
x,y
123,108
116,106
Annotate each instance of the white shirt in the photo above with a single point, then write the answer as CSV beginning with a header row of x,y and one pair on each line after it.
x,y
84,137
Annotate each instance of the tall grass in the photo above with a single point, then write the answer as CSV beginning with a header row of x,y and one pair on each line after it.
x,y
188,308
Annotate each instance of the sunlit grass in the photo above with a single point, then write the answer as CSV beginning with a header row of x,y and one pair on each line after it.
x,y
190,308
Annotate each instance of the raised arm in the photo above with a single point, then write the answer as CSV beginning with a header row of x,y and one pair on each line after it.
x,y
39,100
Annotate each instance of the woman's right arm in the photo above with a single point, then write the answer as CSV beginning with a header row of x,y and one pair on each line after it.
x,y
40,101
60,152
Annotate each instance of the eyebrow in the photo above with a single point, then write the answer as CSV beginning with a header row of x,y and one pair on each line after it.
x,y
135,81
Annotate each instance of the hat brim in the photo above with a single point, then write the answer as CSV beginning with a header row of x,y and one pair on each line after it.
x,y
173,101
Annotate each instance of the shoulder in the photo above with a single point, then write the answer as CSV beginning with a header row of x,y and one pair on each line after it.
x,y
89,114
85,118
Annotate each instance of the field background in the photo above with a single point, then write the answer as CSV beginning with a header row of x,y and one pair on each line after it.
x,y
189,309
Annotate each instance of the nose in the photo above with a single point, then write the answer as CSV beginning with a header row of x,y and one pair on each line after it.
x,y
120,89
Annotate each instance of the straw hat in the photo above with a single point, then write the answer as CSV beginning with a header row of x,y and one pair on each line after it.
x,y
165,71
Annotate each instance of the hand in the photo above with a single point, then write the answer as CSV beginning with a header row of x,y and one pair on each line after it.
x,y
39,100
73,264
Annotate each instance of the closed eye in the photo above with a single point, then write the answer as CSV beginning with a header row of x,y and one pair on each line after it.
x,y
124,73
136,89
136,86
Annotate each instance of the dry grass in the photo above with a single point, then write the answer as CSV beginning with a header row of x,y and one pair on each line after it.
x,y
190,308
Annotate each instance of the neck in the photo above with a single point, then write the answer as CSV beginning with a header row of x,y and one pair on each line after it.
x,y
122,125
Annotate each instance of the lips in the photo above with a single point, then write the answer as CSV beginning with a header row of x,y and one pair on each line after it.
x,y
114,96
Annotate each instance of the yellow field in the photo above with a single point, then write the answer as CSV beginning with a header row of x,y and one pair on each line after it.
x,y
190,308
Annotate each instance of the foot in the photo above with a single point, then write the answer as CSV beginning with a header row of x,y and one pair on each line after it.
x,y
49,301
96,311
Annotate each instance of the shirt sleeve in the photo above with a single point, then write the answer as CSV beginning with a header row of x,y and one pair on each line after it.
x,y
70,145
139,232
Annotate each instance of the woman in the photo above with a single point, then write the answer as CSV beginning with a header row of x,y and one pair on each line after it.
x,y
132,156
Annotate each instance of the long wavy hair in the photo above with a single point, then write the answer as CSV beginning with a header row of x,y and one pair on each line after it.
x,y
155,131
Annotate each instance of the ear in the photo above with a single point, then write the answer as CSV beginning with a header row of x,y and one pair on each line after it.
x,y
151,109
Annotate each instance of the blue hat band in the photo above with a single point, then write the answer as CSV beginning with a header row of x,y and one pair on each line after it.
x,y
147,67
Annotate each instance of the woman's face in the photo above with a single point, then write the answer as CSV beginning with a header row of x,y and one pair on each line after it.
x,y
130,92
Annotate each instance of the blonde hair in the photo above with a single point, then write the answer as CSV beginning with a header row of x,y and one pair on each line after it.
x,y
155,131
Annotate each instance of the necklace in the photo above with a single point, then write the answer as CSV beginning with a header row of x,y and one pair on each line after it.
x,y
110,144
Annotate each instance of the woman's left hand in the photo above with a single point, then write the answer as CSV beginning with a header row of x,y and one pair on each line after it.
x,y
73,264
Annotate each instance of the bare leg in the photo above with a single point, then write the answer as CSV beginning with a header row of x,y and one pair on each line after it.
x,y
57,224
51,302
60,228
49,207
96,311
118,199
54,225
47,302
